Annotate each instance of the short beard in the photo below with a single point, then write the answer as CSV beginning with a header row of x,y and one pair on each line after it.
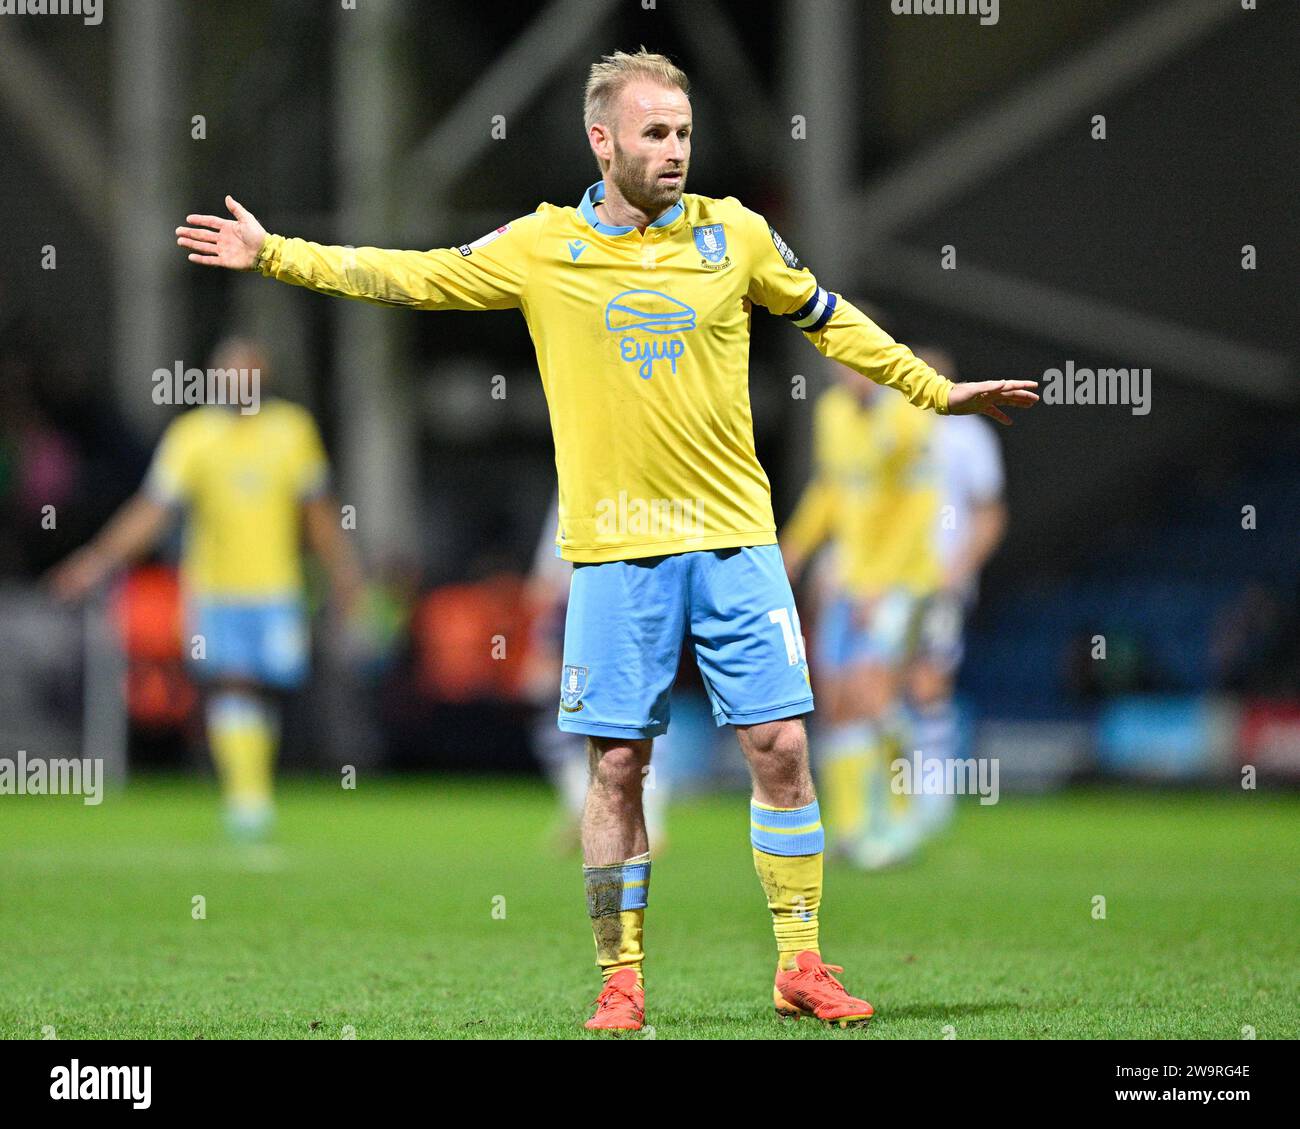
x,y
652,199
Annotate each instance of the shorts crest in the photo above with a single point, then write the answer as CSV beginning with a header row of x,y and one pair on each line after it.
x,y
573,684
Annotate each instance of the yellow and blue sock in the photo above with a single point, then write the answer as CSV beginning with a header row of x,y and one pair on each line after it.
x,y
895,733
242,733
788,845
616,899
845,762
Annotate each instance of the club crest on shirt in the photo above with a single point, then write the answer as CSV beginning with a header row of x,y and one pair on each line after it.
x,y
711,242
573,685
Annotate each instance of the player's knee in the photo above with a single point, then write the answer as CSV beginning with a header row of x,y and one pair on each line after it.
x,y
777,750
831,702
785,741
619,765
927,685
876,691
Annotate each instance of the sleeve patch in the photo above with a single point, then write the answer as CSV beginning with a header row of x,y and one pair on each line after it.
x,y
785,250
468,248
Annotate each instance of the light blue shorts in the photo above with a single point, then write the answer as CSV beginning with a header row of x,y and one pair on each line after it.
x,y
887,636
627,621
262,642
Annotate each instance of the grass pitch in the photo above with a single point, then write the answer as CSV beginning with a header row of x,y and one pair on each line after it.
x,y
432,908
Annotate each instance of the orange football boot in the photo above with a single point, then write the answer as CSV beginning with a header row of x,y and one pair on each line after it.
x,y
621,1005
812,990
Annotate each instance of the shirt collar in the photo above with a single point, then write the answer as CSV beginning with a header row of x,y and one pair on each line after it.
x,y
596,193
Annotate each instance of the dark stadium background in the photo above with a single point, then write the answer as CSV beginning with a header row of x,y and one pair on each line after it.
x,y
343,126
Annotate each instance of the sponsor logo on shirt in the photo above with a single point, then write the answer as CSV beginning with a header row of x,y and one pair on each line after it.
x,y
649,311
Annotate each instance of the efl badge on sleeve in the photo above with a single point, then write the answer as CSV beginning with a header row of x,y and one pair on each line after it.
x,y
468,249
573,684
785,250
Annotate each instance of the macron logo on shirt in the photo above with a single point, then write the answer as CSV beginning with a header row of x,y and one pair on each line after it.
x,y
576,248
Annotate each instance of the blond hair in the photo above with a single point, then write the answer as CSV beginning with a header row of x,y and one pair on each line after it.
x,y
614,72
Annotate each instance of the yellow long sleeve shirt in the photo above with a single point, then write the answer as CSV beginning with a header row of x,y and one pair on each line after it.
x,y
642,342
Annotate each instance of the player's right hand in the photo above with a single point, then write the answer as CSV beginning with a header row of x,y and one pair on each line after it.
x,y
76,576
217,242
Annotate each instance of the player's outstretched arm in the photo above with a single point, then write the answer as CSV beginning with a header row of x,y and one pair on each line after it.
x,y
216,242
325,538
129,534
808,528
988,397
488,274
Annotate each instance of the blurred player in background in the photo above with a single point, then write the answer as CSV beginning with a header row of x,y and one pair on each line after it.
x,y
873,501
972,523
564,755
250,485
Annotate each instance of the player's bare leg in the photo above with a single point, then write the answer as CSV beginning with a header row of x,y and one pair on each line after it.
x,y
616,873
777,754
786,835
613,821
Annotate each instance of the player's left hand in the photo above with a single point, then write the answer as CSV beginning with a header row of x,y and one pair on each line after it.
x,y
983,398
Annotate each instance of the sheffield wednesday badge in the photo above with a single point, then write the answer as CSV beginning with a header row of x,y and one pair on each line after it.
x,y
711,242
573,685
